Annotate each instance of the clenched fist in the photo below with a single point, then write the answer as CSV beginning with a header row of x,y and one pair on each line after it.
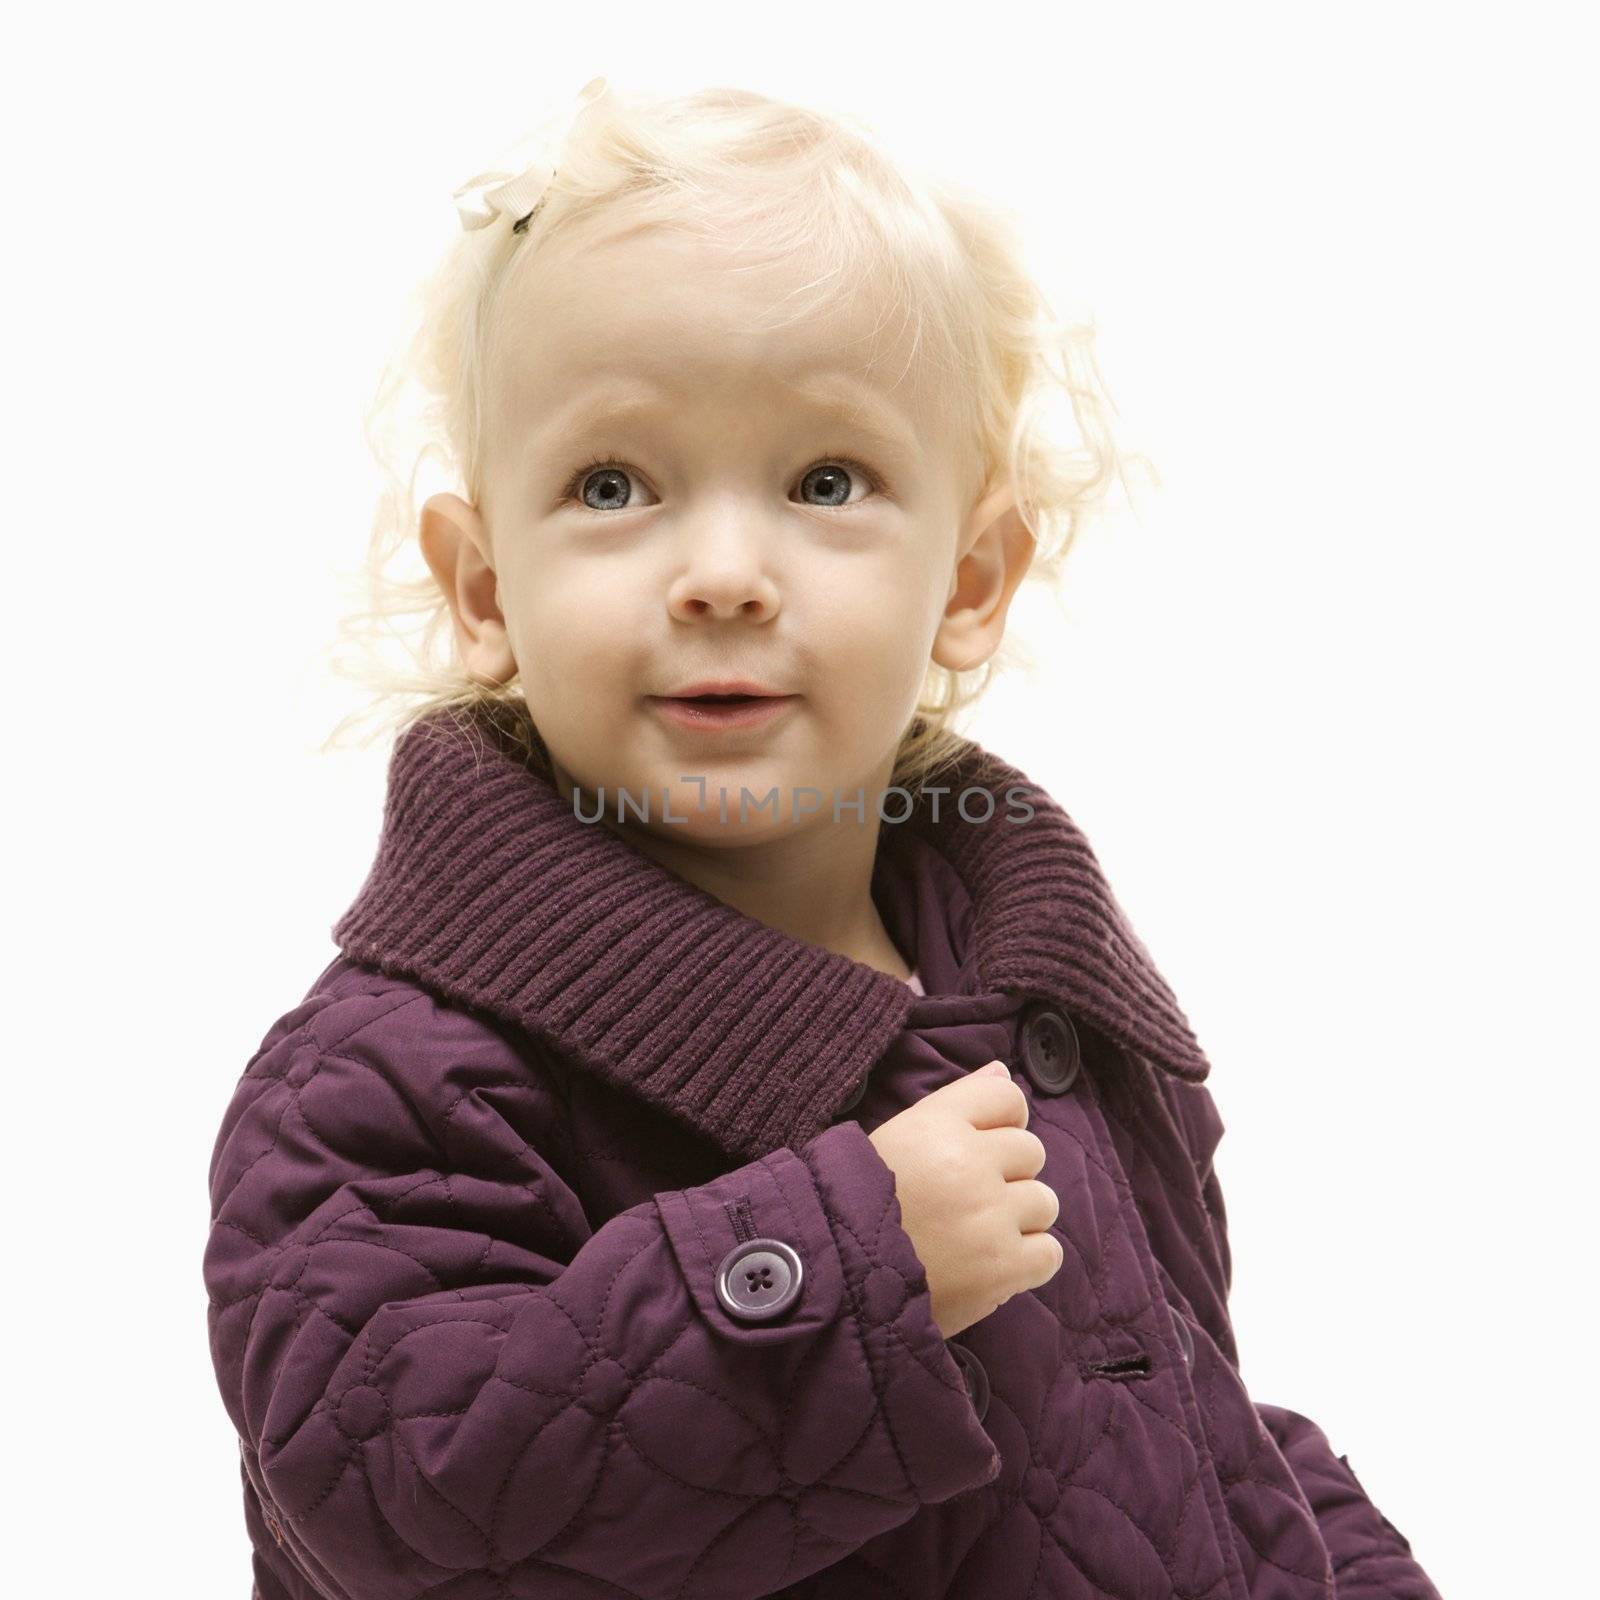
x,y
965,1170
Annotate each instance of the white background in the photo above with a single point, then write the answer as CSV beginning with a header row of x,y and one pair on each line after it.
x,y
1320,702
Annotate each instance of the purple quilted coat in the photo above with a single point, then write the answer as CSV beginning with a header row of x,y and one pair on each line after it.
x,y
550,1257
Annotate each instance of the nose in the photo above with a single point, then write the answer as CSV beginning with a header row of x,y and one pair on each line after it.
x,y
724,574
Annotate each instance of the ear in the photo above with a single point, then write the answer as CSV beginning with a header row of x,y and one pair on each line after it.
x,y
455,544
993,555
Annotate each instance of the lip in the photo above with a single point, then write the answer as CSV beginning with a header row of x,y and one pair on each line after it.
x,y
721,686
697,716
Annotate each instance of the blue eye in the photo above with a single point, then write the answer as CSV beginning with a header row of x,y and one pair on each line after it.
x,y
602,465
607,467
828,472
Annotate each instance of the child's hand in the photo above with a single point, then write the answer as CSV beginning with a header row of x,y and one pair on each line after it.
x,y
964,1164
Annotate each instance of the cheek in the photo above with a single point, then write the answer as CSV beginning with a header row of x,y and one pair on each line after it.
x,y
888,614
867,591
580,608
872,655
571,637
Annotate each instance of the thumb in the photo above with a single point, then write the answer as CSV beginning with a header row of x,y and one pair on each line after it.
x,y
994,1069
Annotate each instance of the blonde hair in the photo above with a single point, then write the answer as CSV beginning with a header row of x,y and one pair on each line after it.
x,y
735,165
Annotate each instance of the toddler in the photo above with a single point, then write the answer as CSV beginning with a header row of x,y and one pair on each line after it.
x,y
740,1147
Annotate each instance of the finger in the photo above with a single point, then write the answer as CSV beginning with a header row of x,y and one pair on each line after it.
x,y
1021,1154
994,1101
1042,1255
1035,1205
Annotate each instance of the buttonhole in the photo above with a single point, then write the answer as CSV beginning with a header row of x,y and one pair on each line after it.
x,y
1123,1367
739,1215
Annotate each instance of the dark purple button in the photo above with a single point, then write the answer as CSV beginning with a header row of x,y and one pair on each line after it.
x,y
855,1097
1185,1337
1050,1051
759,1280
977,1376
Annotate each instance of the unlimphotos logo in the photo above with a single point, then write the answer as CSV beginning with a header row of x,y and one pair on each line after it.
x,y
894,804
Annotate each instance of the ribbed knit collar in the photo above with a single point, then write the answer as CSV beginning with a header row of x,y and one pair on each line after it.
x,y
488,890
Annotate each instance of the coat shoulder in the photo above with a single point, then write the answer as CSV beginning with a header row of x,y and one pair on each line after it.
x,y
378,1068
389,1020
1145,1097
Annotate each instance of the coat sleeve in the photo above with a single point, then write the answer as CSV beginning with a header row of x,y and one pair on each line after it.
x,y
437,1368
1371,1558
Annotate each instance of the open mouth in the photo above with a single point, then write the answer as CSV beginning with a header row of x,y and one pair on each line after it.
x,y
718,711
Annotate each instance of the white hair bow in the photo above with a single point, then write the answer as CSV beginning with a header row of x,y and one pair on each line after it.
x,y
519,195
514,194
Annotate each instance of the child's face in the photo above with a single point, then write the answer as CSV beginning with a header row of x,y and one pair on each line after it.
x,y
712,548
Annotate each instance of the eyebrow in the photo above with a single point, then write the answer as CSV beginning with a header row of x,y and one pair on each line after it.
x,y
861,408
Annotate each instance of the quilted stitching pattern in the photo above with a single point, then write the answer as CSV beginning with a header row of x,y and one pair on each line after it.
x,y
438,1373
451,1377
